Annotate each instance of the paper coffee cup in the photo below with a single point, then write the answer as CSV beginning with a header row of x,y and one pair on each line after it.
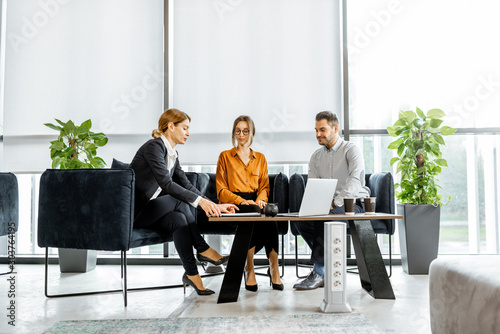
x,y
370,204
349,205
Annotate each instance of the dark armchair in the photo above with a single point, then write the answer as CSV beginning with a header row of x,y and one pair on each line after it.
x,y
92,209
9,208
381,186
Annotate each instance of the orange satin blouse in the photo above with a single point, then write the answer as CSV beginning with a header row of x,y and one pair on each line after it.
x,y
234,176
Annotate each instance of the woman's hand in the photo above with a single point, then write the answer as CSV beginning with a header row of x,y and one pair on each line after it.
x,y
261,204
248,202
211,209
227,208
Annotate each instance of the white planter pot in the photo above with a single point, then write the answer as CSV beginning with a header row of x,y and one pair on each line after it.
x,y
77,260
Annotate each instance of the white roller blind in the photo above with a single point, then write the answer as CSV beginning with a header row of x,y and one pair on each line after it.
x,y
81,59
277,61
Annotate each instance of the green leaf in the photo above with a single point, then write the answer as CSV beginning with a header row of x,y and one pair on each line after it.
x,y
69,127
438,138
86,125
57,145
435,123
101,142
97,162
401,148
409,116
447,131
391,130
399,123
393,160
395,144
435,113
436,170
441,162
52,126
420,113
56,162
60,122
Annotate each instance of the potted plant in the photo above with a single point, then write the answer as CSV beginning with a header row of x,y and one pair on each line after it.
x,y
76,147
419,161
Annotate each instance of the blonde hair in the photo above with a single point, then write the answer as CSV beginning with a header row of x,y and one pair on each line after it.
x,y
251,125
170,115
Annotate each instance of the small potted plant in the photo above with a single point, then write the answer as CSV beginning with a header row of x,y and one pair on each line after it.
x,y
419,162
74,148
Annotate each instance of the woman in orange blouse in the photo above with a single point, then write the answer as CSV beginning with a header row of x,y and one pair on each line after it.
x,y
242,179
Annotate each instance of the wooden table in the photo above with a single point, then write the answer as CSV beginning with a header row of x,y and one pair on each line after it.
x,y
372,272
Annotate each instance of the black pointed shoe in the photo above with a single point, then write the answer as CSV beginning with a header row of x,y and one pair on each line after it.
x,y
275,286
204,259
186,281
249,287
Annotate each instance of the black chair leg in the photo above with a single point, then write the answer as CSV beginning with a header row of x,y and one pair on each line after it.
x,y
297,264
282,256
390,256
124,276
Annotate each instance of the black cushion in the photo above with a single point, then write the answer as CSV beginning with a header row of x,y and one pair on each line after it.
x,y
116,164
9,204
382,187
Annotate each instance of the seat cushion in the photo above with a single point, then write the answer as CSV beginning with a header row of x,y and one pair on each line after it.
x,y
144,237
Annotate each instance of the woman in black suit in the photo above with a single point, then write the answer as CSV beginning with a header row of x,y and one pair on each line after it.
x,y
163,195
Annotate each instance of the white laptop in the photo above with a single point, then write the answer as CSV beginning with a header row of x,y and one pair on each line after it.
x,y
317,199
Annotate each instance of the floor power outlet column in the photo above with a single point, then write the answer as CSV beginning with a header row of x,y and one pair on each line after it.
x,y
335,269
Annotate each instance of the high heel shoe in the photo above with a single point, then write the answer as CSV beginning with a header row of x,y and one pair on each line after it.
x,y
249,287
275,286
203,260
186,281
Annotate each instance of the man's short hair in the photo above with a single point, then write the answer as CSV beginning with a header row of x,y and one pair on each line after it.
x,y
330,117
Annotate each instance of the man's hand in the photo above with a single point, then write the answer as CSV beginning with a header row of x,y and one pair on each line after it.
x,y
227,208
211,209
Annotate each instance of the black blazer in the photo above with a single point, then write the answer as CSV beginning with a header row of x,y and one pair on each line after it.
x,y
151,172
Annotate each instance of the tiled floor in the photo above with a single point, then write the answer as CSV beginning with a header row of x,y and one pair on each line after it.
x,y
409,313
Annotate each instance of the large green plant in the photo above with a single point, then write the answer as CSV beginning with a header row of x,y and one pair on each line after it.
x,y
76,146
419,158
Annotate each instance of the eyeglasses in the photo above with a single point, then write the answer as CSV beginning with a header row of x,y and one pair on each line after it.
x,y
238,132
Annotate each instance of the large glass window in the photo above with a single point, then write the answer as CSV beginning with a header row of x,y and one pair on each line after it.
x,y
432,54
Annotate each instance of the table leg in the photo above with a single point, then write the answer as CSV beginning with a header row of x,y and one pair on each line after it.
x,y
232,278
372,272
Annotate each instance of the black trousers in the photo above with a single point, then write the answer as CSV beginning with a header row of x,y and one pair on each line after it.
x,y
314,233
169,215
265,234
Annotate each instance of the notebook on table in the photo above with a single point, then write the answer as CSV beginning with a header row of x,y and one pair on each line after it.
x,y
317,198
241,214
